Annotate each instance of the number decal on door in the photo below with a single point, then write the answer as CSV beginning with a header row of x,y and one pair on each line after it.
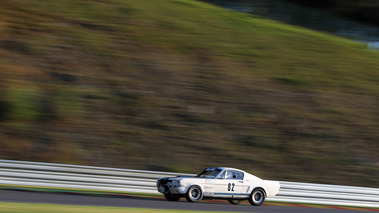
x,y
231,187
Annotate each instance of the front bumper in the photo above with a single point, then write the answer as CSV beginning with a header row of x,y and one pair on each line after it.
x,y
177,190
171,190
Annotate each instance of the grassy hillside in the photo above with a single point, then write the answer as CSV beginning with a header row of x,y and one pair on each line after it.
x,y
178,85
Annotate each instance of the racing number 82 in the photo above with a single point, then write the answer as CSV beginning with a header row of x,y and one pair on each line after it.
x,y
231,187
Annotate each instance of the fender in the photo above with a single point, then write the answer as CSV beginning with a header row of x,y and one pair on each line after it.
x,y
259,187
189,186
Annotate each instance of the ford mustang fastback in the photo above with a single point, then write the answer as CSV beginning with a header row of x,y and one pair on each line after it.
x,y
225,183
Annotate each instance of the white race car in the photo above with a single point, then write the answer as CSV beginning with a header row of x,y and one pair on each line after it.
x,y
229,184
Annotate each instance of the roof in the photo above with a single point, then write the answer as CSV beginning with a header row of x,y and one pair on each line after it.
x,y
226,168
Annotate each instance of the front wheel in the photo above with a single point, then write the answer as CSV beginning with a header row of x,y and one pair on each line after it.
x,y
257,197
171,197
194,194
235,202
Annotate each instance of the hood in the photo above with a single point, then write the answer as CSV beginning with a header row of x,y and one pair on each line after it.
x,y
178,178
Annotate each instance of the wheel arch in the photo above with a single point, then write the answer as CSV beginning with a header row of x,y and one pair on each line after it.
x,y
189,186
259,187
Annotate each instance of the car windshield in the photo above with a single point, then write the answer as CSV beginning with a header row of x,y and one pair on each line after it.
x,y
209,173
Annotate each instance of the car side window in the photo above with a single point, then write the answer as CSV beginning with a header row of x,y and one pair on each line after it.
x,y
236,175
222,176
231,174
240,175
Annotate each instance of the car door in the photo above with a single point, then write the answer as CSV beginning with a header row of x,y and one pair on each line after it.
x,y
229,184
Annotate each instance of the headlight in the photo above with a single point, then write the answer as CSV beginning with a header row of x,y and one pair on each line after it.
x,y
176,183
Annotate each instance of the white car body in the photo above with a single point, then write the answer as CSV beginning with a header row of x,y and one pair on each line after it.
x,y
231,184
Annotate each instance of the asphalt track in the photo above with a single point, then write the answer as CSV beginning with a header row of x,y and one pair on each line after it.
x,y
154,203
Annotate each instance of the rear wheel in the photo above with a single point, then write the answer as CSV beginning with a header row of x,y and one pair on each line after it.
x,y
171,197
257,197
235,202
194,194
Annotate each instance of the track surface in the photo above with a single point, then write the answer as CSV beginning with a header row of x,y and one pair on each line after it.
x,y
154,203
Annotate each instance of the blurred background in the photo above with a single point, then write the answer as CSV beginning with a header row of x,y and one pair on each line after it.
x,y
179,85
351,19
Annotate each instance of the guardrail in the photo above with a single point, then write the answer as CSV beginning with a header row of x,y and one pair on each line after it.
x,y
25,173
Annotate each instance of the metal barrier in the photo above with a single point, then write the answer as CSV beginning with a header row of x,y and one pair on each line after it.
x,y
25,173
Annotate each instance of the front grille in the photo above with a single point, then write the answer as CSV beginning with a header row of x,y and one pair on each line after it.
x,y
162,185
164,182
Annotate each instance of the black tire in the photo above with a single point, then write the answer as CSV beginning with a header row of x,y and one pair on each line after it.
x,y
171,197
235,202
194,194
257,197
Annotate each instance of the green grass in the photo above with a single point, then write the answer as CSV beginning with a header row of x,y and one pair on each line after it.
x,y
77,191
179,85
41,208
